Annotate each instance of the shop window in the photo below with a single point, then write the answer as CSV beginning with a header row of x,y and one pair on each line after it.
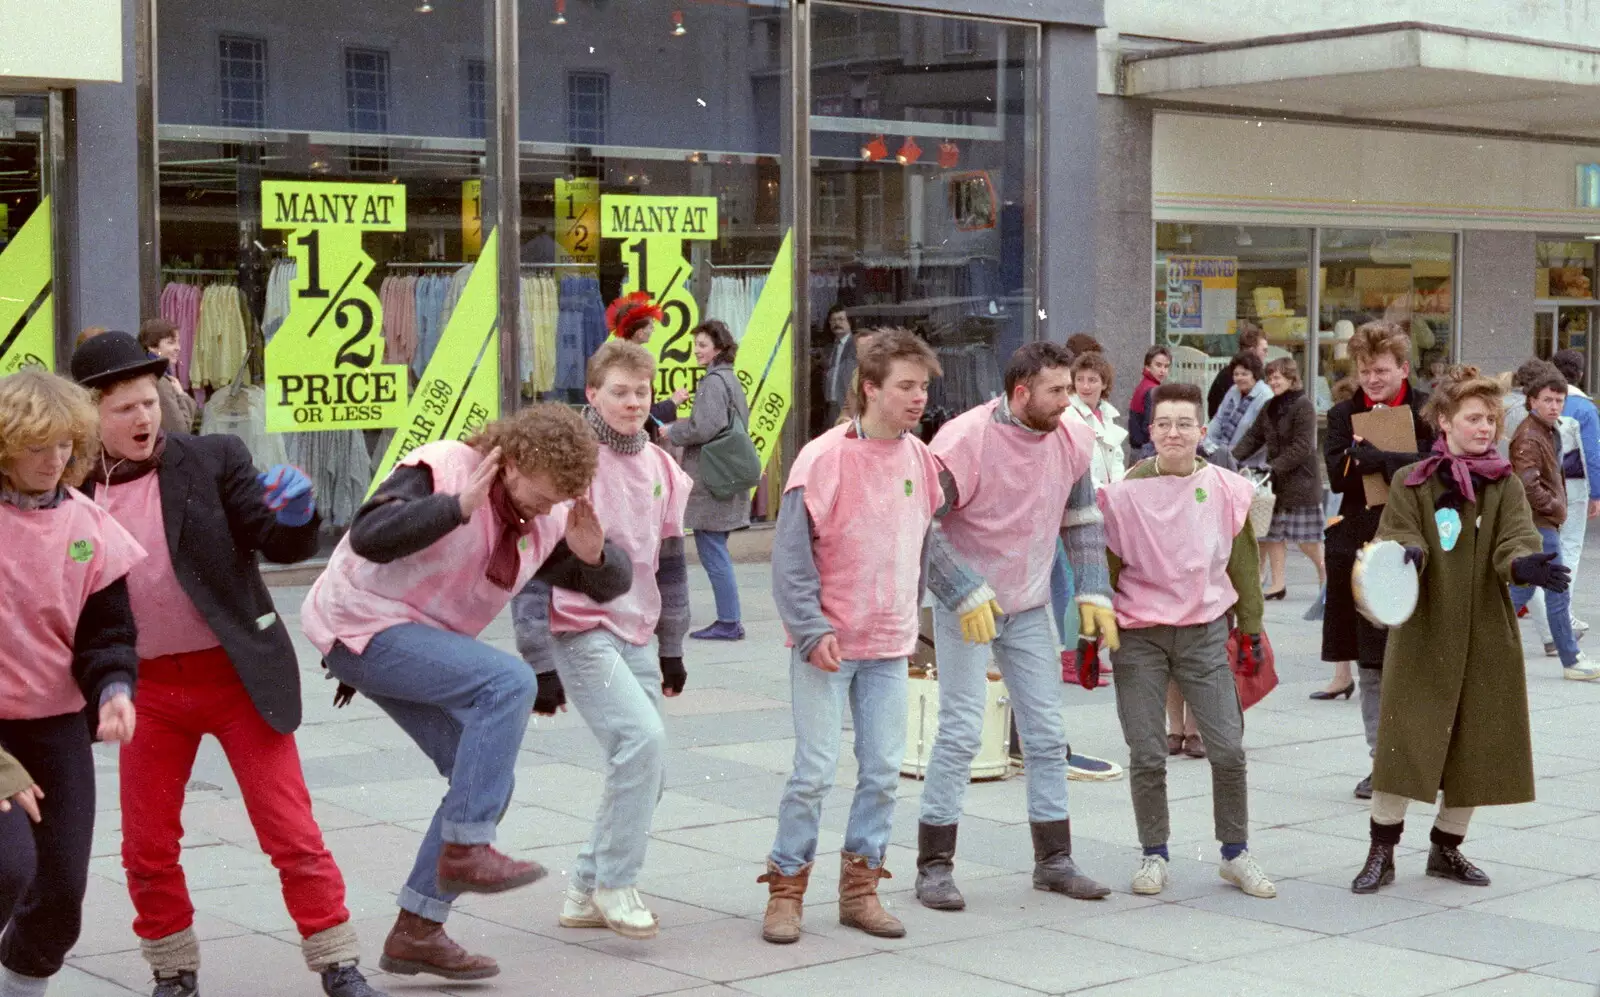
x,y
242,68
588,97
477,98
1407,278
1566,296
366,89
940,234
27,288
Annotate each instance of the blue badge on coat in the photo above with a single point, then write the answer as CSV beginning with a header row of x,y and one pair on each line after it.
x,y
1449,523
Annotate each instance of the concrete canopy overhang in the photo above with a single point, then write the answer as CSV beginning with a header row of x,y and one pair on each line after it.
x,y
1406,73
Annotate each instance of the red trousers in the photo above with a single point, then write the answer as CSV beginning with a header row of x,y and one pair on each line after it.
x,y
180,699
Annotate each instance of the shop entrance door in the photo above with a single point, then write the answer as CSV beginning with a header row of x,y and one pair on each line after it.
x,y
27,298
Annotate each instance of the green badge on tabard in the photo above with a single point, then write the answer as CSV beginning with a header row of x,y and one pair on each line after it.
x,y
658,489
522,544
81,551
1199,494
908,488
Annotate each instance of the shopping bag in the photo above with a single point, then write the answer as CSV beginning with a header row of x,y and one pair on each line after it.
x,y
1250,659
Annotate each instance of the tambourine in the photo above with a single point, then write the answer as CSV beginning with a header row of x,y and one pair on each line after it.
x,y
1385,586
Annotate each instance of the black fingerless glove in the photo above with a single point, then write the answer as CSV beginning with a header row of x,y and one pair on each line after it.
x,y
1541,570
551,695
673,675
1367,458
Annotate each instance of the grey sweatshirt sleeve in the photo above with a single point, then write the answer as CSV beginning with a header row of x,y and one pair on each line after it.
x,y
403,517
954,582
1084,538
530,619
796,582
672,581
708,417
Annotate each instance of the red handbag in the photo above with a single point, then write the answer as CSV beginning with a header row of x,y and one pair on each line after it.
x,y
1082,666
1250,659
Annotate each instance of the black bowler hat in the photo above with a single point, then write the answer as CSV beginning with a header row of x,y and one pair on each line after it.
x,y
110,358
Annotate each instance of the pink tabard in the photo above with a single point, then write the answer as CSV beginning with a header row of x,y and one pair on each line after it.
x,y
640,500
167,618
1013,487
1174,536
443,586
871,502
55,560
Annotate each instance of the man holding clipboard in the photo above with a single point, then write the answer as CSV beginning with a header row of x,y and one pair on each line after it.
x,y
1369,438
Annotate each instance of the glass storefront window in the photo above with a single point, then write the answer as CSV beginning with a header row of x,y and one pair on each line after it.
x,y
259,102
27,291
1214,282
1403,277
923,205
1566,304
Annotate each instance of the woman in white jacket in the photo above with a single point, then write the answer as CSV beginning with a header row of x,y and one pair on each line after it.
x,y
1091,382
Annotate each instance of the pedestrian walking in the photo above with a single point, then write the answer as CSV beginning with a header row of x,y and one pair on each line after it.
x,y
719,402
1287,429
1252,340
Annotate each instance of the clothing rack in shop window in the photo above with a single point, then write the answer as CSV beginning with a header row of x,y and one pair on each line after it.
x,y
192,272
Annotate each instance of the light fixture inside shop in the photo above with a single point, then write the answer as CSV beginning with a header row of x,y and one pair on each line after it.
x,y
909,152
424,7
1243,238
875,150
678,30
561,13
1593,238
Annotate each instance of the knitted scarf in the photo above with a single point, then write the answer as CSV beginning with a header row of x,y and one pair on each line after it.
x,y
122,471
1489,466
613,439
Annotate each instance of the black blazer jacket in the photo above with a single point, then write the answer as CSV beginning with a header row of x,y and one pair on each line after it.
x,y
216,524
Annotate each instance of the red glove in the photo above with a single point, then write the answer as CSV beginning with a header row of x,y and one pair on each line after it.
x,y
1088,662
1247,653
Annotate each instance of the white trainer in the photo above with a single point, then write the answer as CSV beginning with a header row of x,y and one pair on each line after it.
x,y
578,910
1243,872
1585,669
1151,877
1578,626
625,913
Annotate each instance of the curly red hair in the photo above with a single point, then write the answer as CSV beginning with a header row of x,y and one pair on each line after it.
x,y
630,312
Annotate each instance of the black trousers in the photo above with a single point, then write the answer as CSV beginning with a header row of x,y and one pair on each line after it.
x,y
44,867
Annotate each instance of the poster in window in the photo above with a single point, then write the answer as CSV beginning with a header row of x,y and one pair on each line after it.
x,y
1202,296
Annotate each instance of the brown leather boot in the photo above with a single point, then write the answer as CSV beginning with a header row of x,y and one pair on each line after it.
x,y
481,869
858,898
785,897
418,945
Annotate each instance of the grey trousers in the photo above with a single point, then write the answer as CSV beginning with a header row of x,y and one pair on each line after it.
x,y
1196,659
1371,705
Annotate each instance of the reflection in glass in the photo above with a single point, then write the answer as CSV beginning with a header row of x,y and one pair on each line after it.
x,y
1402,277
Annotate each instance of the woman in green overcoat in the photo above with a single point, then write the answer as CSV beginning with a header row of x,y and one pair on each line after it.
x,y
1455,701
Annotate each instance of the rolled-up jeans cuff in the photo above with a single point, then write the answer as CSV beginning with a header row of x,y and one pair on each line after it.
x,y
481,833
424,907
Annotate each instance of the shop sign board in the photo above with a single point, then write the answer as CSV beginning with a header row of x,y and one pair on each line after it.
x,y
471,219
324,365
1589,186
1202,296
654,230
578,220
27,297
765,363
460,391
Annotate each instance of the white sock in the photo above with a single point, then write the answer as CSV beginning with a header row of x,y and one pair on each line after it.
x,y
17,985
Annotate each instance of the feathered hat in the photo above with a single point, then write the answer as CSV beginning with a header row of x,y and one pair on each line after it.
x,y
631,311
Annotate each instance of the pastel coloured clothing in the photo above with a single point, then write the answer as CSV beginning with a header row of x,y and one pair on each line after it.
x,y
55,560
443,586
1012,488
1174,537
1109,463
870,503
168,621
640,499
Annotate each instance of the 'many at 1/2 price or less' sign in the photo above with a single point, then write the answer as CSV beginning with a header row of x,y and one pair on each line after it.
x,y
655,229
324,365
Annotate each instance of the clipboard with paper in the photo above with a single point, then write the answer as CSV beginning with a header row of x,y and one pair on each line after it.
x,y
1392,429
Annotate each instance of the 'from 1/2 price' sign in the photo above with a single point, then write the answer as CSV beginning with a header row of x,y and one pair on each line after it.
x,y
324,366
655,229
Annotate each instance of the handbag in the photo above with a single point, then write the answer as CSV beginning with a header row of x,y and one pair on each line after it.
x,y
1252,662
729,464
1262,502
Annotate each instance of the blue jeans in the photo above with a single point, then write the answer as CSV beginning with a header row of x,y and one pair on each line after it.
x,y
1025,649
1061,592
712,547
1558,605
876,691
616,688
466,705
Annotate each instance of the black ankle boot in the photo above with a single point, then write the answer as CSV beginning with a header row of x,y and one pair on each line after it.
x,y
183,984
1445,860
1379,868
936,854
1053,868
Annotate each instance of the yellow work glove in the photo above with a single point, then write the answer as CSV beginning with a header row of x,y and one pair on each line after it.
x,y
977,626
1099,621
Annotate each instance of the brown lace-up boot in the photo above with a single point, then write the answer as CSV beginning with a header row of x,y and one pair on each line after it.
x,y
418,945
858,898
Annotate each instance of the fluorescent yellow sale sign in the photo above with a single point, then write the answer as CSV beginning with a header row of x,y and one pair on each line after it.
x,y
324,366
460,391
655,229
578,220
27,297
765,363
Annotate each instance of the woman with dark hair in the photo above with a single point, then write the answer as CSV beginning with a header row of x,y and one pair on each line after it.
x,y
1287,429
1241,405
718,399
